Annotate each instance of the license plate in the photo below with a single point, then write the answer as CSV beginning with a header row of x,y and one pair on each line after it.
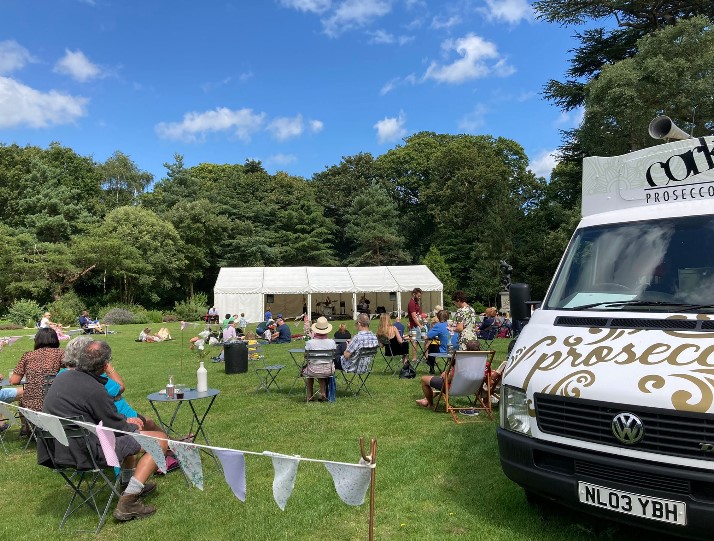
x,y
670,511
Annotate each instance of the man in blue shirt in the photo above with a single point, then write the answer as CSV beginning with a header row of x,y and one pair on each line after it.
x,y
268,315
282,333
439,331
399,325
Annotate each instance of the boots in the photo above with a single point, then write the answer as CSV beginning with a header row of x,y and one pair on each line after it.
x,y
130,506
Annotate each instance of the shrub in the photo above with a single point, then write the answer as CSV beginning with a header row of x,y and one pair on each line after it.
x,y
118,316
192,309
67,308
141,316
24,312
5,326
155,316
168,318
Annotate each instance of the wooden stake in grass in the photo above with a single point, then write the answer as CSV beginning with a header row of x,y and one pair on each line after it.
x,y
370,459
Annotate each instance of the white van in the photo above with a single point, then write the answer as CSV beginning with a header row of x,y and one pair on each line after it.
x,y
608,396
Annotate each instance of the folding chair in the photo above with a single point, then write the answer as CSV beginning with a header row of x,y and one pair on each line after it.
x,y
388,355
487,336
49,379
267,374
363,370
318,356
89,484
471,371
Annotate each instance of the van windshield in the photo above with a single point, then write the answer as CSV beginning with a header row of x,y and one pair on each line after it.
x,y
655,266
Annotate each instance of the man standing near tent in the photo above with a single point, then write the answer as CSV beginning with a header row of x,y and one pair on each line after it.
x,y
414,310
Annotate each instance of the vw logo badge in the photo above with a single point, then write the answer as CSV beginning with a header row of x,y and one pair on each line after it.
x,y
627,428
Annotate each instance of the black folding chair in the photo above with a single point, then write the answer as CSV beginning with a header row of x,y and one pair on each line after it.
x,y
89,485
359,378
487,336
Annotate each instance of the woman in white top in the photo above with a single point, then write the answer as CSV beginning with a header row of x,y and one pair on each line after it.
x,y
321,369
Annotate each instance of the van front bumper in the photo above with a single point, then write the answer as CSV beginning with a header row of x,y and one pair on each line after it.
x,y
553,471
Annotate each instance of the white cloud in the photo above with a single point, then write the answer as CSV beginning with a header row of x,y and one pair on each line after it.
x,y
312,6
391,129
526,96
316,126
510,11
439,23
381,37
78,66
544,162
281,159
246,75
474,120
13,56
21,105
195,126
284,128
208,87
353,14
474,51
397,81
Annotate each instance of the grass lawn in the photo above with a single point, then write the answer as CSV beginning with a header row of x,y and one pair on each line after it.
x,y
435,479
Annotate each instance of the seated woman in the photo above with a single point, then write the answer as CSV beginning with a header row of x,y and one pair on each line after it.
x,y
45,323
431,383
85,321
488,325
390,337
319,369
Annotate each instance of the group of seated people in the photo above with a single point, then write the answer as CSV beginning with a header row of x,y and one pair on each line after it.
x,y
274,331
351,358
87,385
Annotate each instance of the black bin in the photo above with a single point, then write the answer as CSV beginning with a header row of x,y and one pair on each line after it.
x,y
236,357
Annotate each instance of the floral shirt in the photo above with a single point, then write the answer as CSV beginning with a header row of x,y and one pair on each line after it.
x,y
467,316
34,366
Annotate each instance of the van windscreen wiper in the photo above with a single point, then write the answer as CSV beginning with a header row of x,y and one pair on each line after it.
x,y
634,302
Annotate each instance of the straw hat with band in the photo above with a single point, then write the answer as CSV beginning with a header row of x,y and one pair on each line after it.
x,y
321,326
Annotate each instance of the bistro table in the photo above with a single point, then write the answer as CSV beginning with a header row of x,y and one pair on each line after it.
x,y
192,397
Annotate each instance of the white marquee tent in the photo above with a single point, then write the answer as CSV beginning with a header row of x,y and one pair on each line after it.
x,y
329,291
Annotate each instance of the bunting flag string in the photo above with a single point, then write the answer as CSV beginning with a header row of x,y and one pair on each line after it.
x,y
108,442
5,413
46,422
284,481
233,463
351,480
189,459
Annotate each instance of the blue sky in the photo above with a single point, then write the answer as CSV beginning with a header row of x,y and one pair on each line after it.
x,y
296,84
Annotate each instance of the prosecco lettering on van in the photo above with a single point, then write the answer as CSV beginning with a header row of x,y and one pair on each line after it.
x,y
679,169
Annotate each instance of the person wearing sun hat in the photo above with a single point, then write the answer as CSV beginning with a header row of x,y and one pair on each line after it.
x,y
320,370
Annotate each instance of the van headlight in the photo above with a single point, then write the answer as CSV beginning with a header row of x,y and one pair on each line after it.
x,y
514,410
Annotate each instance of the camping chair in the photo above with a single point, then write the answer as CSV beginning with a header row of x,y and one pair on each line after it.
x,y
88,485
318,356
487,336
471,371
363,369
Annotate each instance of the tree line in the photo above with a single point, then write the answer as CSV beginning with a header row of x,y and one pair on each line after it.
x,y
458,203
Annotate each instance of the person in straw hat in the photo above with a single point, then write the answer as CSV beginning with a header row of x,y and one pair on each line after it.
x,y
324,369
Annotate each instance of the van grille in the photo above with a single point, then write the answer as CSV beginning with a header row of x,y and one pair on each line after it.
x,y
665,432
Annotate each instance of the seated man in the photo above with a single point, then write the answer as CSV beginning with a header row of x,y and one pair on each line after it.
x,y
9,394
282,334
352,359
81,392
212,316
